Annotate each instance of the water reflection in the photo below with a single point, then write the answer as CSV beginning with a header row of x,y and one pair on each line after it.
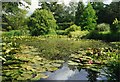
x,y
66,73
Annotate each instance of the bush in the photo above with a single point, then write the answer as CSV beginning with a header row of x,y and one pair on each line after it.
x,y
42,22
113,70
60,32
15,33
115,27
103,27
78,34
72,28
106,36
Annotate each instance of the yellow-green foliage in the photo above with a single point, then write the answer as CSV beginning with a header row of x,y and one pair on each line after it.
x,y
72,28
103,27
115,26
78,34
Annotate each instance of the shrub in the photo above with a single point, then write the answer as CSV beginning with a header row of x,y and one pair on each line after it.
x,y
72,28
106,36
115,27
60,32
113,70
15,33
78,34
42,22
103,27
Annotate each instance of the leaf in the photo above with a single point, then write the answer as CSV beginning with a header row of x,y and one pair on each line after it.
x,y
73,63
38,76
7,51
2,58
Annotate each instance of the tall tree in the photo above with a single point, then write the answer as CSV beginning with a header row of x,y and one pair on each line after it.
x,y
107,13
57,10
79,13
89,18
70,12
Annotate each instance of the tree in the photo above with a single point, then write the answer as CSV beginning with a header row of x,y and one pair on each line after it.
x,y
42,22
57,10
88,18
107,13
13,17
69,15
63,14
78,14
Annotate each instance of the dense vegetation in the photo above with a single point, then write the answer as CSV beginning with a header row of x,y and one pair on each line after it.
x,y
84,36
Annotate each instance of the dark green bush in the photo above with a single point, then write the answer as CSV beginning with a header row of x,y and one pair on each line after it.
x,y
113,70
72,28
106,36
103,27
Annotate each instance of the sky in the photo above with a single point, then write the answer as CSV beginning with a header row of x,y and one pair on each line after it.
x,y
34,4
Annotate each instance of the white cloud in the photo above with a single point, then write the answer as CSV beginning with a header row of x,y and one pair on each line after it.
x,y
107,1
67,2
34,5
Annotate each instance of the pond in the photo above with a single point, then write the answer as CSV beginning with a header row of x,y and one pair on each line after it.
x,y
82,60
68,73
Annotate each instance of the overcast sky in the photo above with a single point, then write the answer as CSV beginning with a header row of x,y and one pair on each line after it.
x,y
34,4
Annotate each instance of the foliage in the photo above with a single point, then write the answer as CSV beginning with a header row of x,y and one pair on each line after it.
x,y
105,36
21,63
31,57
113,69
115,26
42,22
15,33
13,17
95,58
60,32
79,13
88,18
107,13
72,28
63,14
78,34
103,27
57,49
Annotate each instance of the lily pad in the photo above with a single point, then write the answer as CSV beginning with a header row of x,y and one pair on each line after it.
x,y
73,63
38,76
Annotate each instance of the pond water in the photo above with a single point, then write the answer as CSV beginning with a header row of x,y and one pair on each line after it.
x,y
66,73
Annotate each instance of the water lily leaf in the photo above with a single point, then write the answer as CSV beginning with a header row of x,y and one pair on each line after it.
x,y
2,58
8,73
7,51
56,65
26,75
38,76
58,61
20,78
41,69
72,63
27,67
51,68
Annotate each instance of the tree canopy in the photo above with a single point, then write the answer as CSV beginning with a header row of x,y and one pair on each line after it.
x,y
42,22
